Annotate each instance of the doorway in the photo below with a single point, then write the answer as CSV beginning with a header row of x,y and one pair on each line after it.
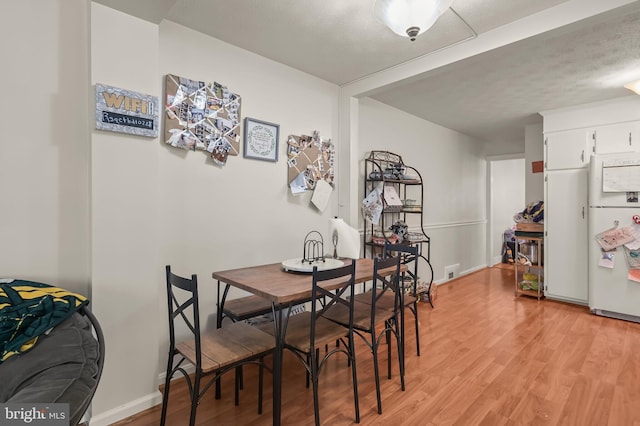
x,y
506,197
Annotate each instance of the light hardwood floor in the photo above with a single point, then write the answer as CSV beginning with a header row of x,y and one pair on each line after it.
x,y
488,358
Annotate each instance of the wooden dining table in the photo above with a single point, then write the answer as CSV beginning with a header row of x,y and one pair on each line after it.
x,y
283,289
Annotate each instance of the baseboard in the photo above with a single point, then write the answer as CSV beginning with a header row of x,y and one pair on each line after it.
x,y
474,269
129,409
462,274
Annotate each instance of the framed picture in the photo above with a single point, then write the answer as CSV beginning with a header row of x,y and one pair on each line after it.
x,y
261,140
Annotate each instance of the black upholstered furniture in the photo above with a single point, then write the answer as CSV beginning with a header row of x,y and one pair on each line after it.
x,y
64,366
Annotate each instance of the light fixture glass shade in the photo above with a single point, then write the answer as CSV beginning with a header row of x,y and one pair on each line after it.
x,y
410,18
634,87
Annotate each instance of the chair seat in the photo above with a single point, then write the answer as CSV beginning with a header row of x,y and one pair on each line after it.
x,y
227,345
246,307
361,315
299,326
386,300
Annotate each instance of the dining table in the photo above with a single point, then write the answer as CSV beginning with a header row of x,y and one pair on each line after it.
x,y
284,288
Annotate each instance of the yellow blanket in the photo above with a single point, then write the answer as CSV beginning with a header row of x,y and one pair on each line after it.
x,y
28,309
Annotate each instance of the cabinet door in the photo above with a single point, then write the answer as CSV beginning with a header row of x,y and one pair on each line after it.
x,y
566,241
568,149
621,137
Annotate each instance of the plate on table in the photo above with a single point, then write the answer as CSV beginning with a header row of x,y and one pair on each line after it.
x,y
297,265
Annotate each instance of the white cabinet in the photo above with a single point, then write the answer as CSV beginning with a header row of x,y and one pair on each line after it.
x,y
566,245
569,149
620,137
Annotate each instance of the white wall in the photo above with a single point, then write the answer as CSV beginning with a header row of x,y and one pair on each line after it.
x,y
242,213
169,206
126,274
44,155
533,151
86,206
507,198
453,169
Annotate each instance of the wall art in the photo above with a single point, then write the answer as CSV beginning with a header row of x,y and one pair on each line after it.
x,y
261,140
310,158
202,116
126,111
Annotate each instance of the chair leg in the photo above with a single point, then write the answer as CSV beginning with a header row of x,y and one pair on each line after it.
x,y
388,337
354,374
236,396
195,396
415,314
260,380
308,363
376,372
165,395
402,309
400,360
218,389
314,383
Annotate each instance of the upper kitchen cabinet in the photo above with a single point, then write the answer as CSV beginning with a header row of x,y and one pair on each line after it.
x,y
619,137
569,149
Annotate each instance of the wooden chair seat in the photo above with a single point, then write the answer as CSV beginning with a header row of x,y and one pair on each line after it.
x,y
299,326
246,307
226,346
361,314
386,300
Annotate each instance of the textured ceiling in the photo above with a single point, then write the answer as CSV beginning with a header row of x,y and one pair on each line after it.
x,y
494,95
488,96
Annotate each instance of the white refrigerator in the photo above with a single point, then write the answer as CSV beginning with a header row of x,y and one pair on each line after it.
x,y
614,182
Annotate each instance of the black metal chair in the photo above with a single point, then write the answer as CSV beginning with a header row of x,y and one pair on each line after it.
x,y
212,353
308,331
375,319
239,309
409,296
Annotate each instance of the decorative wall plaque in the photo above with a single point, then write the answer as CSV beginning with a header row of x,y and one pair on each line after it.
x,y
126,111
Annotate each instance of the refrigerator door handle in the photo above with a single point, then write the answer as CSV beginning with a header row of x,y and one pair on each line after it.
x,y
583,212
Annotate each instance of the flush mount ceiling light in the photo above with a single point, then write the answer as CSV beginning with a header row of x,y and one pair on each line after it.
x,y
633,86
410,18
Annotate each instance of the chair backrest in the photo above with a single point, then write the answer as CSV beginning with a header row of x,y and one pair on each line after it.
x,y
323,299
389,283
176,309
409,256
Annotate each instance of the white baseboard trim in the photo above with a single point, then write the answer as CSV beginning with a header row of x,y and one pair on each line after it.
x,y
188,367
140,404
129,409
474,269
462,273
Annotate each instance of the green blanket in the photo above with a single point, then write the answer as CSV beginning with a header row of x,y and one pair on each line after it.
x,y
28,309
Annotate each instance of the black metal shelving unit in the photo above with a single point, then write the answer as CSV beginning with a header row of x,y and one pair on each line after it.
x,y
388,168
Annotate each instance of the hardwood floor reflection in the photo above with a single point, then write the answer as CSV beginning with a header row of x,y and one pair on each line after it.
x,y
487,359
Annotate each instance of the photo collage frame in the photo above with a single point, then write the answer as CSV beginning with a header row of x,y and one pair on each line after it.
x,y
202,116
310,159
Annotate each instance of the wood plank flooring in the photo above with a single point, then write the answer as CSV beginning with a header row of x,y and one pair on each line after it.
x,y
488,358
